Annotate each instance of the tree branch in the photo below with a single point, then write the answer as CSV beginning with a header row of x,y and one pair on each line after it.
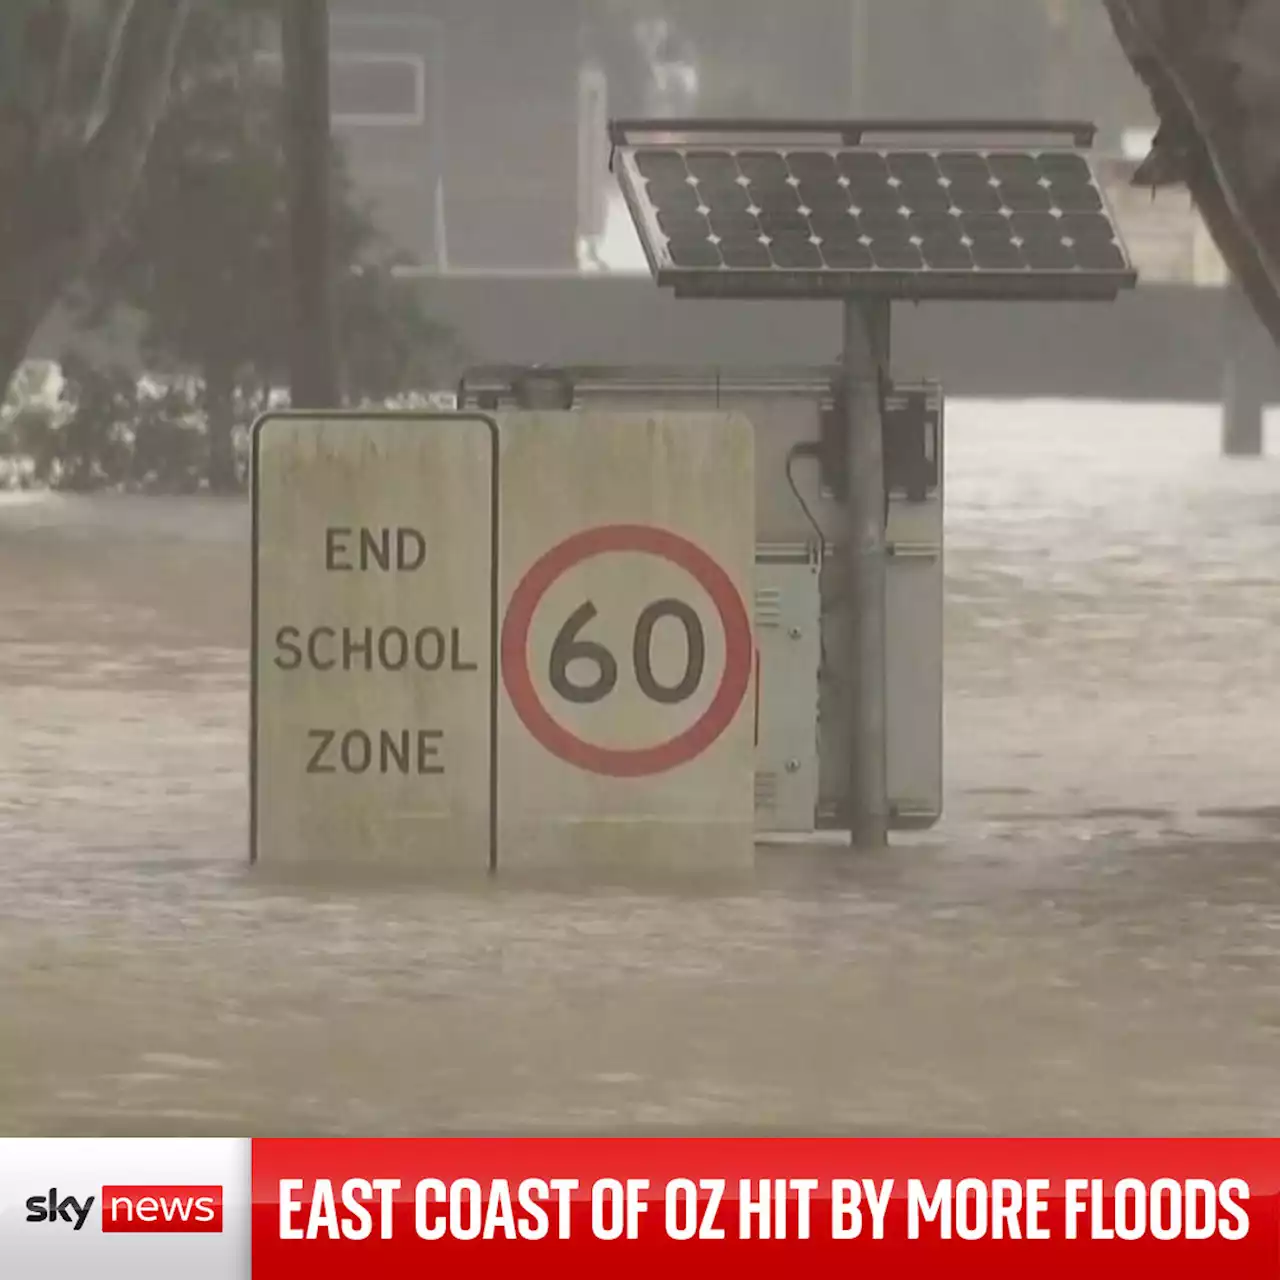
x,y
1191,59
110,70
48,50
57,220
112,160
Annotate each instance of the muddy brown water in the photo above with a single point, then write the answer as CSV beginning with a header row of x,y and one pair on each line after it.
x,y
1089,943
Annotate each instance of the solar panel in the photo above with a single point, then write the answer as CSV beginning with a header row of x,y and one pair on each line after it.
x,y
750,219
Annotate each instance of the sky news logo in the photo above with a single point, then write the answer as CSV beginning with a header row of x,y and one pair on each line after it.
x,y
135,1209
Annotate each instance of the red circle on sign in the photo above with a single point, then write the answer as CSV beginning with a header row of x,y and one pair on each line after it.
x,y
622,762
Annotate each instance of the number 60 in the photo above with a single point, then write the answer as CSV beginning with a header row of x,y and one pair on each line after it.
x,y
569,648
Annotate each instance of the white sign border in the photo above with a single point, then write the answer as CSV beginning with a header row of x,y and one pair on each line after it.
x,y
495,601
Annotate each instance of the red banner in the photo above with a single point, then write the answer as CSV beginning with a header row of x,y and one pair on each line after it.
x,y
672,1208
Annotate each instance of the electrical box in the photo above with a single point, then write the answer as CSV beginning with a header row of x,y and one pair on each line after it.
x,y
803,734
788,618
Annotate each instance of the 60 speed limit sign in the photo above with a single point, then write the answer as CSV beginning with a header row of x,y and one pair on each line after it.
x,y
583,672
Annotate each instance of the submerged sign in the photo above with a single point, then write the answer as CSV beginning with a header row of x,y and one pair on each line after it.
x,y
584,625
374,616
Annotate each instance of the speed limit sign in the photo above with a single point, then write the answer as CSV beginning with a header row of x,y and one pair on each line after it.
x,y
571,648
626,651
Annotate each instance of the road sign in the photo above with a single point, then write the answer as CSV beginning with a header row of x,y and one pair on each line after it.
x,y
687,744
627,558
374,651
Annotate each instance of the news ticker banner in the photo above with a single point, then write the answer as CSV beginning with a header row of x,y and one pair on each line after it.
x,y
320,1208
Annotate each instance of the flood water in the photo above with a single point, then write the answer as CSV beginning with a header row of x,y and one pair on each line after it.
x,y
1089,943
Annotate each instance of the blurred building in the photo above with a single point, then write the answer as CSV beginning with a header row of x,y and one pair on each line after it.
x,y
460,123
475,127
475,130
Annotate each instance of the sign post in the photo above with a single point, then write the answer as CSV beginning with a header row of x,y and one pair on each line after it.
x,y
374,671
866,368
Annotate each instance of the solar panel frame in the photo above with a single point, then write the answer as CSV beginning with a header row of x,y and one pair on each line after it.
x,y
913,255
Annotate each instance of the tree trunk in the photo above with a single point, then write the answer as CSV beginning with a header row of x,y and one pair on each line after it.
x,y
219,403
305,42
16,332
1198,62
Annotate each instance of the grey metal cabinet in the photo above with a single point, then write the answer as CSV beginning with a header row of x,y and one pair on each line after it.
x,y
801,624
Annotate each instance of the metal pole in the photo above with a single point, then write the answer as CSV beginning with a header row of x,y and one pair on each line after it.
x,y
1243,396
304,30
866,356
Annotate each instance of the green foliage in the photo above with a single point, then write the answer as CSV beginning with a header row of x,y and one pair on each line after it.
x,y
92,444
202,259
92,428
28,420
204,255
168,442
389,346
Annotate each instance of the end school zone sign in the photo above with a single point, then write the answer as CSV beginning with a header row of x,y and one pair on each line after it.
x,y
384,654
424,649
374,583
